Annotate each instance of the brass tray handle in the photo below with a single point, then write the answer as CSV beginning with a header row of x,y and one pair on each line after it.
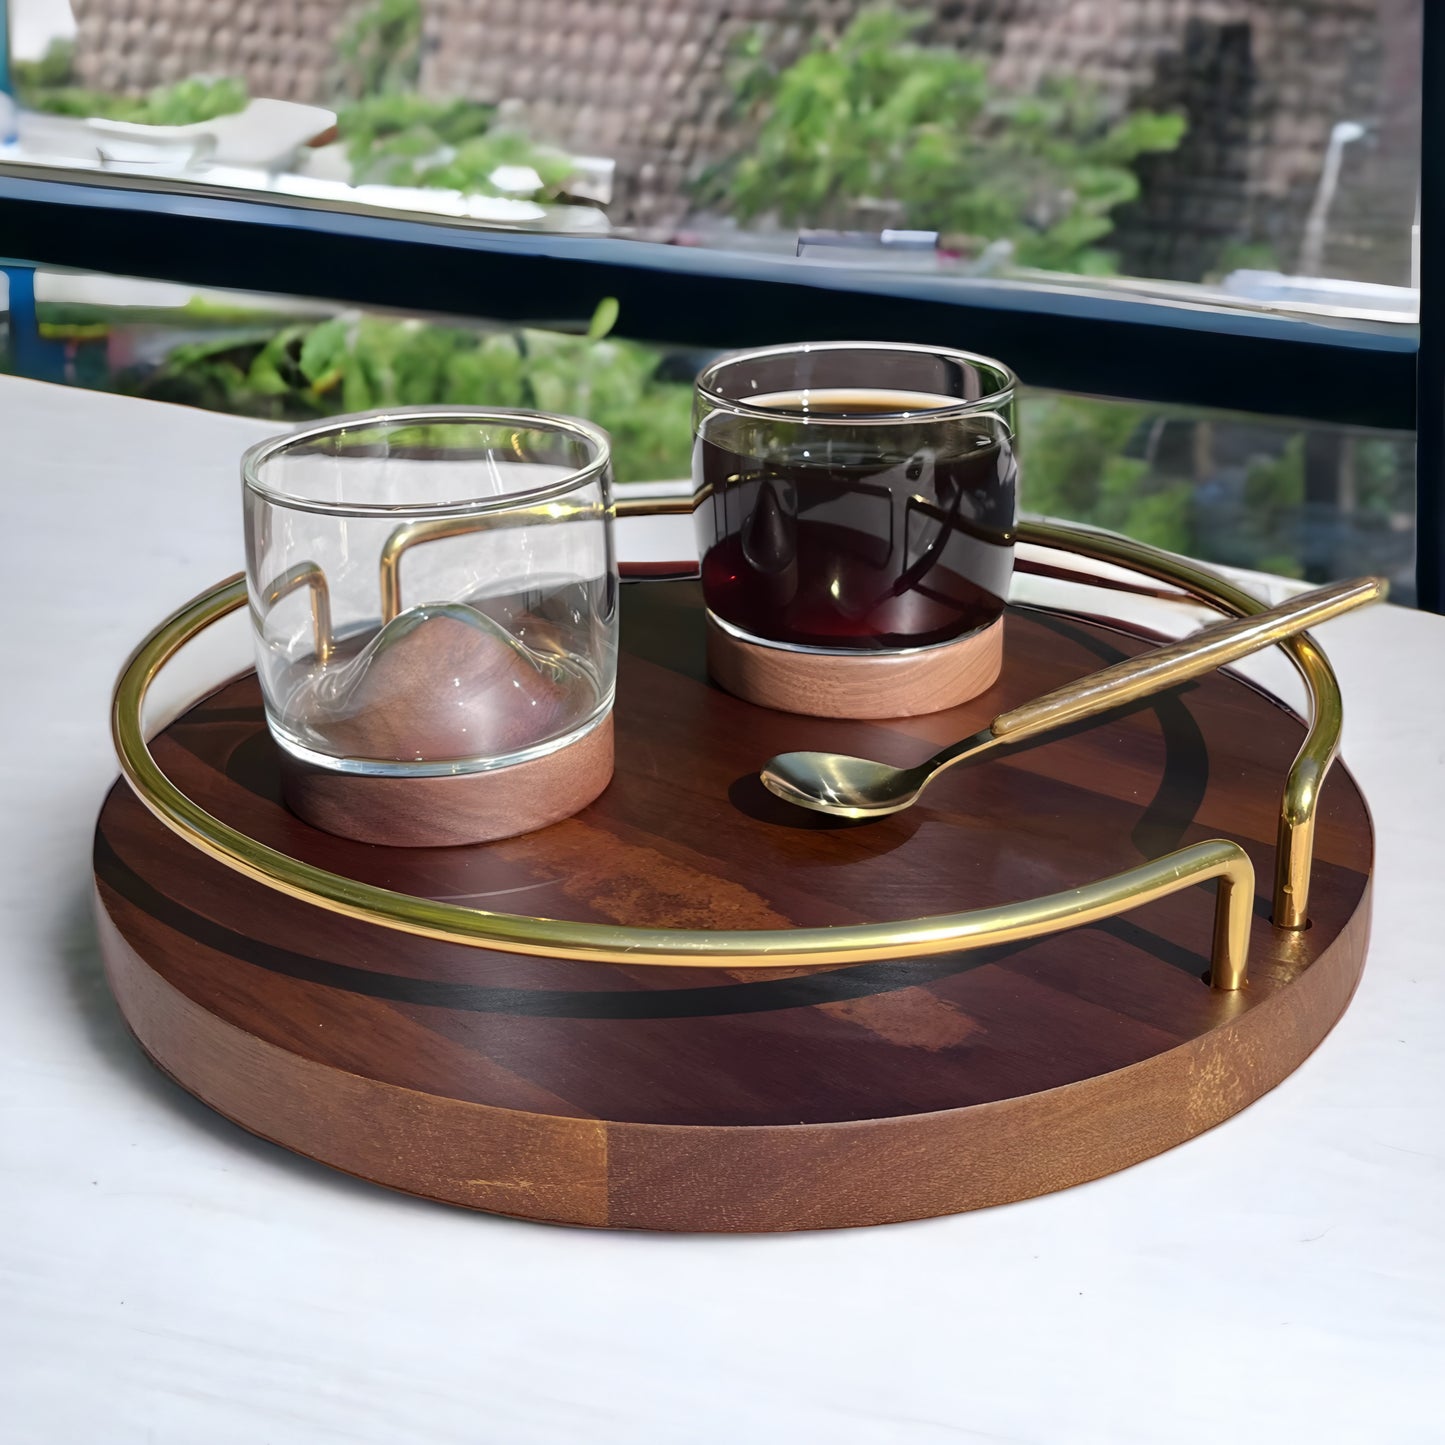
x,y
1295,843
310,575
436,529
1192,656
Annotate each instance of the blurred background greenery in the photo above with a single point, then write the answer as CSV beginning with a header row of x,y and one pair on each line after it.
x,y
870,130
864,129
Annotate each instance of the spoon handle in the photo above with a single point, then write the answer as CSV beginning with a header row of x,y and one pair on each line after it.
x,y
1176,662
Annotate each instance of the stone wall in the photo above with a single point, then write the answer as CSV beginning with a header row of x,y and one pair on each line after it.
x,y
1263,87
1261,84
642,81
284,50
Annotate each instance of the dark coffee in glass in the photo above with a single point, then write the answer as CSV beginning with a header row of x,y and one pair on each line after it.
x,y
855,496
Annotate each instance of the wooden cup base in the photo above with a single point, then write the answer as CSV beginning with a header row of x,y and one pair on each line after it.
x,y
862,685
462,808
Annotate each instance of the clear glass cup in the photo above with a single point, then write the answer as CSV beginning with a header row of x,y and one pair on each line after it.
x,y
855,496
432,591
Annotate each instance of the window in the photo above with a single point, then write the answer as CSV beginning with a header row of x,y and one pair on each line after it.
x,y
1206,209
1269,151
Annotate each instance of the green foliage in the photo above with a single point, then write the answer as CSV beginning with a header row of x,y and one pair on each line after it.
x,y
355,363
101,318
385,118
48,84
1274,493
212,374
1147,508
84,104
470,168
1384,488
1066,443
54,69
379,51
1074,469
187,102
1274,487
404,140
392,135
873,120
396,137
391,139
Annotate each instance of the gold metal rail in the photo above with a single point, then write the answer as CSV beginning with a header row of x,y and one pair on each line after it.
x,y
679,948
413,534
761,949
661,506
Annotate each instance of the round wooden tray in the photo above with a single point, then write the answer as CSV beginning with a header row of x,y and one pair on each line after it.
x,y
715,1099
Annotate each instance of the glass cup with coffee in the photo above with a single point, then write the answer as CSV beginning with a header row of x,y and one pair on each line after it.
x,y
855,510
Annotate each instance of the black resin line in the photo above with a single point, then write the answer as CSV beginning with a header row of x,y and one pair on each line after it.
x,y
765,995
1185,777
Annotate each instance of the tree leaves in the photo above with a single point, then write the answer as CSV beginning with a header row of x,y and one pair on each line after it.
x,y
354,362
406,140
874,120
187,102
1076,469
603,319
323,348
379,51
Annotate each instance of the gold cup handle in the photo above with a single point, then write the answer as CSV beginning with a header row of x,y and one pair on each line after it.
x,y
310,576
661,506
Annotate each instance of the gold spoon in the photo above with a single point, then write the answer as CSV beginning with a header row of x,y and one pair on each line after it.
x,y
857,788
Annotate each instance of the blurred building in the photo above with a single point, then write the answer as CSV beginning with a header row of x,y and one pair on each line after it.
x,y
644,81
282,50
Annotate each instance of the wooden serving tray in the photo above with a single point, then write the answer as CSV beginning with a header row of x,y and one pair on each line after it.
x,y
709,1099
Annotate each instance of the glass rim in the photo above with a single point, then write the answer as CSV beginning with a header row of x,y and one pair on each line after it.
x,y
1004,378
257,455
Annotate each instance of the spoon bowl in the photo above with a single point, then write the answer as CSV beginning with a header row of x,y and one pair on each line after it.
x,y
847,787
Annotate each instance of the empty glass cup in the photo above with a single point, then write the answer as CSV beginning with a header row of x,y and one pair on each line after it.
x,y
433,592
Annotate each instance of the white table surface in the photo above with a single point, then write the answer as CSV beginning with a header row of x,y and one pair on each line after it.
x,y
166,1278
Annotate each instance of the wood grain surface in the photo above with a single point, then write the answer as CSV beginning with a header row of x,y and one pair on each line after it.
x,y
714,1100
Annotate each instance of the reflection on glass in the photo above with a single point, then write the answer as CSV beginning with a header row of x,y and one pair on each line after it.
x,y
432,592
1314,502
1267,151
1311,501
855,497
